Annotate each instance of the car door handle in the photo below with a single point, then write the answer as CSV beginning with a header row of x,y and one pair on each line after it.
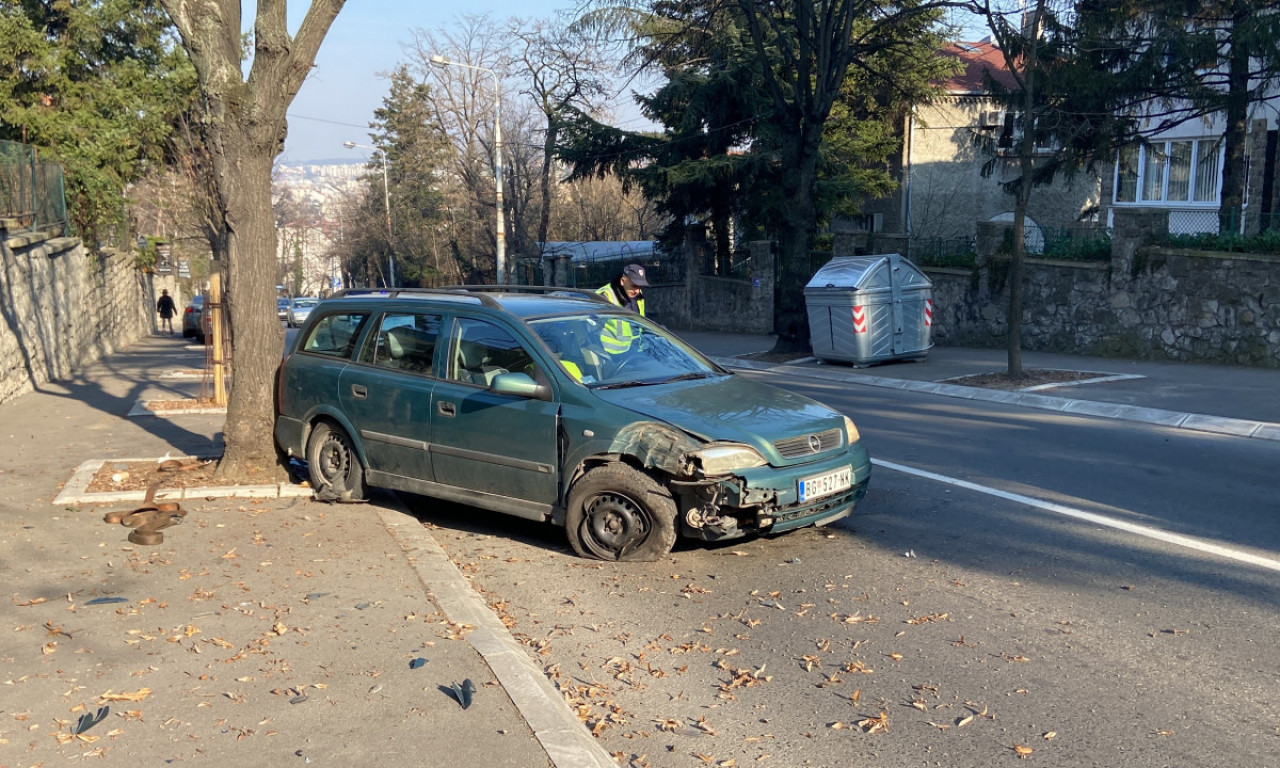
x,y
446,408
359,392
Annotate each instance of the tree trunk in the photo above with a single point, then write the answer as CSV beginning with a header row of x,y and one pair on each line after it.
x,y
248,433
247,127
1026,159
1231,209
800,217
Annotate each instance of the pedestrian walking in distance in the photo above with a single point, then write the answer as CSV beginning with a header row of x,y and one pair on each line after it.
x,y
166,308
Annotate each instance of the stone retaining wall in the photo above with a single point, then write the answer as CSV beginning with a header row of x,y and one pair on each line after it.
x,y
1146,303
62,309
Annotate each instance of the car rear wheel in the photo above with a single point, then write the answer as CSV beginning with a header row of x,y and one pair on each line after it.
x,y
617,512
332,463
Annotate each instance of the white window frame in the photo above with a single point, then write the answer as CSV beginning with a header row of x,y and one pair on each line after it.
x,y
1165,148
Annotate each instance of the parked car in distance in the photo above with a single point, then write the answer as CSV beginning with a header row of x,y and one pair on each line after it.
x,y
560,407
282,307
193,319
299,308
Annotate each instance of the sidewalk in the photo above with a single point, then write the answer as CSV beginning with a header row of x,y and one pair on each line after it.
x,y
261,630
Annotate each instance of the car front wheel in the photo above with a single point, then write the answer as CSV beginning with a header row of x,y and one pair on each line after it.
x,y
617,512
332,464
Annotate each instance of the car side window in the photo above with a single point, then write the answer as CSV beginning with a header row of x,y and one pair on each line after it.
x,y
334,335
480,350
404,341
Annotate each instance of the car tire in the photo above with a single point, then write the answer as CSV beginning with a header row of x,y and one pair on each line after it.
x,y
617,512
333,465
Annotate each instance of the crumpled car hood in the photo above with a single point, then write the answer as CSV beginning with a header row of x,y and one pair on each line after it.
x,y
732,408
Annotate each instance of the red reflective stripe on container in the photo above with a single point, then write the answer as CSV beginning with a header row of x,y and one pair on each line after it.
x,y
928,312
859,319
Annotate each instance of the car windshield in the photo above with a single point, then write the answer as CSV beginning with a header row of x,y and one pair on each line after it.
x,y
305,302
613,351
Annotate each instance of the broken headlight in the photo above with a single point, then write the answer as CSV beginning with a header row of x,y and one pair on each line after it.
x,y
723,458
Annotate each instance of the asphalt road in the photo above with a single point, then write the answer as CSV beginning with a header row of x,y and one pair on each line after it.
x,y
1017,583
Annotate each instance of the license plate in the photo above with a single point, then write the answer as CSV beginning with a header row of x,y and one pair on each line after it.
x,y
817,486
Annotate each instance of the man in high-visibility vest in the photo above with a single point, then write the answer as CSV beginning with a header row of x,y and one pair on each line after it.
x,y
624,291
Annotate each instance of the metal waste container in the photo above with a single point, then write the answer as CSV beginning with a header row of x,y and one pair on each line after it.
x,y
869,309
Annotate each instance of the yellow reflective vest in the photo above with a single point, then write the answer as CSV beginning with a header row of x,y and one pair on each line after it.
x,y
618,334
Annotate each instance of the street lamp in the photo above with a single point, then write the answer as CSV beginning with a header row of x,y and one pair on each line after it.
x,y
500,261
386,199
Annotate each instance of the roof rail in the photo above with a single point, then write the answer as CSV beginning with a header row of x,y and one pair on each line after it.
x,y
549,290
391,293
479,292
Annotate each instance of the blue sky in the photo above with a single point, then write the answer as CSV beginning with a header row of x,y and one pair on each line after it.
x,y
367,39
337,101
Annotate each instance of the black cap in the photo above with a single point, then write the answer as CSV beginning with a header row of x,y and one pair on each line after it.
x,y
635,273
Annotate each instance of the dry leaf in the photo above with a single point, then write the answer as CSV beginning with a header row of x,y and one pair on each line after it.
x,y
1023,752
1050,736
137,695
873,724
964,721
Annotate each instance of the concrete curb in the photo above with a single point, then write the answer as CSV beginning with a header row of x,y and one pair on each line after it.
x,y
74,492
1220,425
140,409
565,738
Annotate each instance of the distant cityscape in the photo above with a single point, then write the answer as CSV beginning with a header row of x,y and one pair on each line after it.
x,y
316,189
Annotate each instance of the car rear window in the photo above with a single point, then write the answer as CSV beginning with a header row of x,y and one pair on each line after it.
x,y
334,334
405,341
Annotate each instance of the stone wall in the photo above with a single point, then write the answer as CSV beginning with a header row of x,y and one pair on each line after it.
x,y
62,309
725,304
1146,303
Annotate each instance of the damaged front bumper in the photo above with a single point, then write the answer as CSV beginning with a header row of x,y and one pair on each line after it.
x,y
767,499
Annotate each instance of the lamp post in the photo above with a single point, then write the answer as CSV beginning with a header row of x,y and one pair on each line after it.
x,y
500,260
386,200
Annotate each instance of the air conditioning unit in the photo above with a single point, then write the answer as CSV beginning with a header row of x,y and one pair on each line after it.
x,y
991,119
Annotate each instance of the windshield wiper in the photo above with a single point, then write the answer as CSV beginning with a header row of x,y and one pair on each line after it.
x,y
688,376
622,384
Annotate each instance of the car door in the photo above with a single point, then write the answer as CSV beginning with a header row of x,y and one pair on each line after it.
x,y
387,394
487,442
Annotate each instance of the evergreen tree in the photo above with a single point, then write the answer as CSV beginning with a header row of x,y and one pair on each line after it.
x,y
404,130
98,87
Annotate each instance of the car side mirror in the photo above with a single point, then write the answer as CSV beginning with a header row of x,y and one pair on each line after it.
x,y
519,385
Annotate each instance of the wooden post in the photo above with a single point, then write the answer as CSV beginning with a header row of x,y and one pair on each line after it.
x,y
215,324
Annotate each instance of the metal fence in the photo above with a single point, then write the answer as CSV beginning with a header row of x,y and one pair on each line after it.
x,y
1084,243
31,190
942,251
661,269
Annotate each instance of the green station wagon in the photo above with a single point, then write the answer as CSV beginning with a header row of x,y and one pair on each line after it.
x,y
553,405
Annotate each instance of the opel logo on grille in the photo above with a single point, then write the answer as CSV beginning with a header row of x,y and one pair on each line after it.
x,y
815,444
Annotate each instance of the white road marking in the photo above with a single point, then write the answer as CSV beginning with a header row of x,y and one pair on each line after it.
x,y
1080,514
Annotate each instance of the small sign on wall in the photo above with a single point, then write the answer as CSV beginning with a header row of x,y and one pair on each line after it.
x,y
164,260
